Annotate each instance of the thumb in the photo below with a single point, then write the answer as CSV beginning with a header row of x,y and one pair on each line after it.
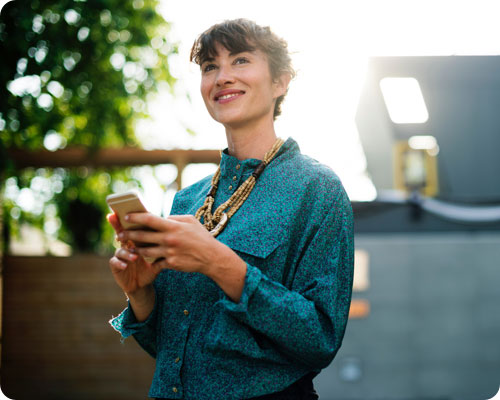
x,y
115,222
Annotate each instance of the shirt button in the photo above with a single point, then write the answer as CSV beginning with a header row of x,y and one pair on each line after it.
x,y
238,166
186,312
177,359
230,187
235,177
174,389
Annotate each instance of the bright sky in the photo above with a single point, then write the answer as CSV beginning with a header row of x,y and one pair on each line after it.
x,y
331,41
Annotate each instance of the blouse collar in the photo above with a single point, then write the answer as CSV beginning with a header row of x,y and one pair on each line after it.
x,y
229,164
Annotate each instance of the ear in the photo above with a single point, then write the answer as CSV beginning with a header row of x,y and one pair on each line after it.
x,y
281,85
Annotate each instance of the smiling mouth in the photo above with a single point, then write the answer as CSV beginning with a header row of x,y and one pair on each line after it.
x,y
228,96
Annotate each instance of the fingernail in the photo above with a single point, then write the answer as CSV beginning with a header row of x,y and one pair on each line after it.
x,y
123,264
121,235
127,217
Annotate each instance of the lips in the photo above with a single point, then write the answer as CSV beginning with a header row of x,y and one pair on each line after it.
x,y
227,95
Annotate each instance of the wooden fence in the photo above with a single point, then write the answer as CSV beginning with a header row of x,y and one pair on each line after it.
x,y
57,343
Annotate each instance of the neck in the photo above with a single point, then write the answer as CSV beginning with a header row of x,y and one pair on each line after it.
x,y
252,142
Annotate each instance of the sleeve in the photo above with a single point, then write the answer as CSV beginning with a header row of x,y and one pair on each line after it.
x,y
144,332
308,321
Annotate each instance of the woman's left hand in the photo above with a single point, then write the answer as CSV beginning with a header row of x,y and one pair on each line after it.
x,y
182,243
178,242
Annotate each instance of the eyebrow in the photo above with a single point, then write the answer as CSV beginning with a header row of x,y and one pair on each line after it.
x,y
233,53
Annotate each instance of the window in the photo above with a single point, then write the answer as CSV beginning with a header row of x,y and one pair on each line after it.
x,y
404,100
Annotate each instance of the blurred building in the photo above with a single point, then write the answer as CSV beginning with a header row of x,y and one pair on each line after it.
x,y
430,241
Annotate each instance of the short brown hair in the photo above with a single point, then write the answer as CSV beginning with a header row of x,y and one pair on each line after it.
x,y
239,35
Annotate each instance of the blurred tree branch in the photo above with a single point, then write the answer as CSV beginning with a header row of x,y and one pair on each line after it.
x,y
75,73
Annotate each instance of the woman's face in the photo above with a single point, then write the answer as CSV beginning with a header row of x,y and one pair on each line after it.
x,y
238,89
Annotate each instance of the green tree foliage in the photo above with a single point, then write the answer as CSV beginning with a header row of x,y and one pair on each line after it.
x,y
75,73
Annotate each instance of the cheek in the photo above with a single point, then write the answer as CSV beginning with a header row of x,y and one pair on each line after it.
x,y
205,89
264,82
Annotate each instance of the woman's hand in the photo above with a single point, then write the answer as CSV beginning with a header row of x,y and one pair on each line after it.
x,y
182,243
130,270
178,242
133,274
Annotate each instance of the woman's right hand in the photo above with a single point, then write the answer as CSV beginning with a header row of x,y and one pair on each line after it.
x,y
134,275
131,272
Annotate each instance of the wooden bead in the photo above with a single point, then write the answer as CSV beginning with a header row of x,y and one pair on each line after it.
x,y
259,170
212,192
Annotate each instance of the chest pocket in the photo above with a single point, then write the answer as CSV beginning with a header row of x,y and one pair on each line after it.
x,y
255,241
258,248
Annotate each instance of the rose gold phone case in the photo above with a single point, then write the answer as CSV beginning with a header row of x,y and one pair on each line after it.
x,y
125,203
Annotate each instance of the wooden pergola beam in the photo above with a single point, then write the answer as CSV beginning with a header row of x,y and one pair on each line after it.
x,y
120,157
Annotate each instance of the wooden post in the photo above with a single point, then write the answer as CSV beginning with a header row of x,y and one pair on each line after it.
x,y
180,163
1,267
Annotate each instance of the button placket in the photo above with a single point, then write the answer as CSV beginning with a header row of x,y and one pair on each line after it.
x,y
231,181
235,178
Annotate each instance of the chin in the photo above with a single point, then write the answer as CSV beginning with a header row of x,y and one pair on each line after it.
x,y
230,119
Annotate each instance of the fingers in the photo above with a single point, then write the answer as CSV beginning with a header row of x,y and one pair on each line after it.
x,y
125,255
147,219
122,257
117,265
159,224
154,252
182,218
141,236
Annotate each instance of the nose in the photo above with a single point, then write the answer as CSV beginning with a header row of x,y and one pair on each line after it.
x,y
224,76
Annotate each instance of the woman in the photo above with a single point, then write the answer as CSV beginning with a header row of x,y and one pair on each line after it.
x,y
250,293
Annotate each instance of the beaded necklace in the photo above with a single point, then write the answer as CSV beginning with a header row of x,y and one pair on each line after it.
x,y
216,222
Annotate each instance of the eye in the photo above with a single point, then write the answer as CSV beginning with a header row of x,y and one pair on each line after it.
x,y
208,67
241,60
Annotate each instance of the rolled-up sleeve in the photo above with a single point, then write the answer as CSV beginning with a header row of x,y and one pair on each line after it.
x,y
144,332
306,321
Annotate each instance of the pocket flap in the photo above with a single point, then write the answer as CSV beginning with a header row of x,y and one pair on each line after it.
x,y
256,246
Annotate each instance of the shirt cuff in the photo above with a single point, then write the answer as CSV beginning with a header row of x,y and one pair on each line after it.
x,y
253,277
126,323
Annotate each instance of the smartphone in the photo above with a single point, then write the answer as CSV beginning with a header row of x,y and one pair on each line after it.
x,y
124,203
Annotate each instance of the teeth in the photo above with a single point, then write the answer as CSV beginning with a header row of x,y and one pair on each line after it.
x,y
227,96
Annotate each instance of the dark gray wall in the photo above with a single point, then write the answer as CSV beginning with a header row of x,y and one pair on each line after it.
x,y
434,327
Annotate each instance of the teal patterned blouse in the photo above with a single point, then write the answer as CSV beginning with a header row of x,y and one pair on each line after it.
x,y
295,232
